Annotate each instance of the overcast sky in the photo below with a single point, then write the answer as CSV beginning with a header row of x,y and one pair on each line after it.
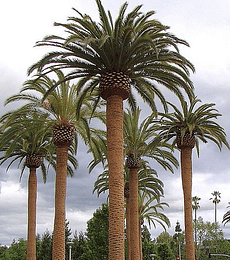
x,y
205,25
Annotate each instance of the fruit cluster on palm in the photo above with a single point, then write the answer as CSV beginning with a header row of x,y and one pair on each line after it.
x,y
111,61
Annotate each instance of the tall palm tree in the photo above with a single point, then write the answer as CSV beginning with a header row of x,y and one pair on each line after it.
x,y
139,142
226,217
61,105
25,138
186,128
111,57
195,207
216,200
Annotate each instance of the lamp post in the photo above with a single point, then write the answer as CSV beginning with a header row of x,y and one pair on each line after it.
x,y
70,243
152,256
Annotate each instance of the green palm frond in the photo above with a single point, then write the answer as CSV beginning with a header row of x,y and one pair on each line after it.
x,y
198,121
151,211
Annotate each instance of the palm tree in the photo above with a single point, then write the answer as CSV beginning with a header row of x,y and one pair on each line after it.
x,y
195,207
61,105
215,199
186,128
226,217
139,142
110,57
25,138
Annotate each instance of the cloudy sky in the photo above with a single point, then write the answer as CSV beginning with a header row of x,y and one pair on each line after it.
x,y
205,25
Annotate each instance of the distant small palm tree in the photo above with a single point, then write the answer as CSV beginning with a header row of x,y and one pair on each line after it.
x,y
195,207
226,217
216,200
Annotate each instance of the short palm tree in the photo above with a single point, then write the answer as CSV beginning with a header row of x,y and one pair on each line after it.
x,y
216,200
195,207
24,138
111,57
61,105
150,209
186,128
226,217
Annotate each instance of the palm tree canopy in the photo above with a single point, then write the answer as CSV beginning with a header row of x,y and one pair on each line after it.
x,y
24,135
196,204
216,195
61,104
135,47
151,210
140,140
199,122
148,181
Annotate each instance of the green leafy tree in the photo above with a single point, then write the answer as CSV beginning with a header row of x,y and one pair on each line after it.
x,y
45,247
148,246
164,252
186,128
209,236
97,233
17,250
111,57
80,246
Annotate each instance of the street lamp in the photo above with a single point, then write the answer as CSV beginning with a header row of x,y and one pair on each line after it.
x,y
152,256
70,243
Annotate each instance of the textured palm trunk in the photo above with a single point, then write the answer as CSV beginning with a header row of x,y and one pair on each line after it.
x,y
140,242
134,218
60,197
114,123
128,228
186,173
128,225
32,198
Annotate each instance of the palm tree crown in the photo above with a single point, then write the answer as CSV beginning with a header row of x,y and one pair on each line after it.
x,y
198,123
28,147
110,57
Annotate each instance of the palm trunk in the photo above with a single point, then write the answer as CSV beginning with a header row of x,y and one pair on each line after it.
x,y
186,173
140,242
32,198
60,197
114,123
128,226
134,218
